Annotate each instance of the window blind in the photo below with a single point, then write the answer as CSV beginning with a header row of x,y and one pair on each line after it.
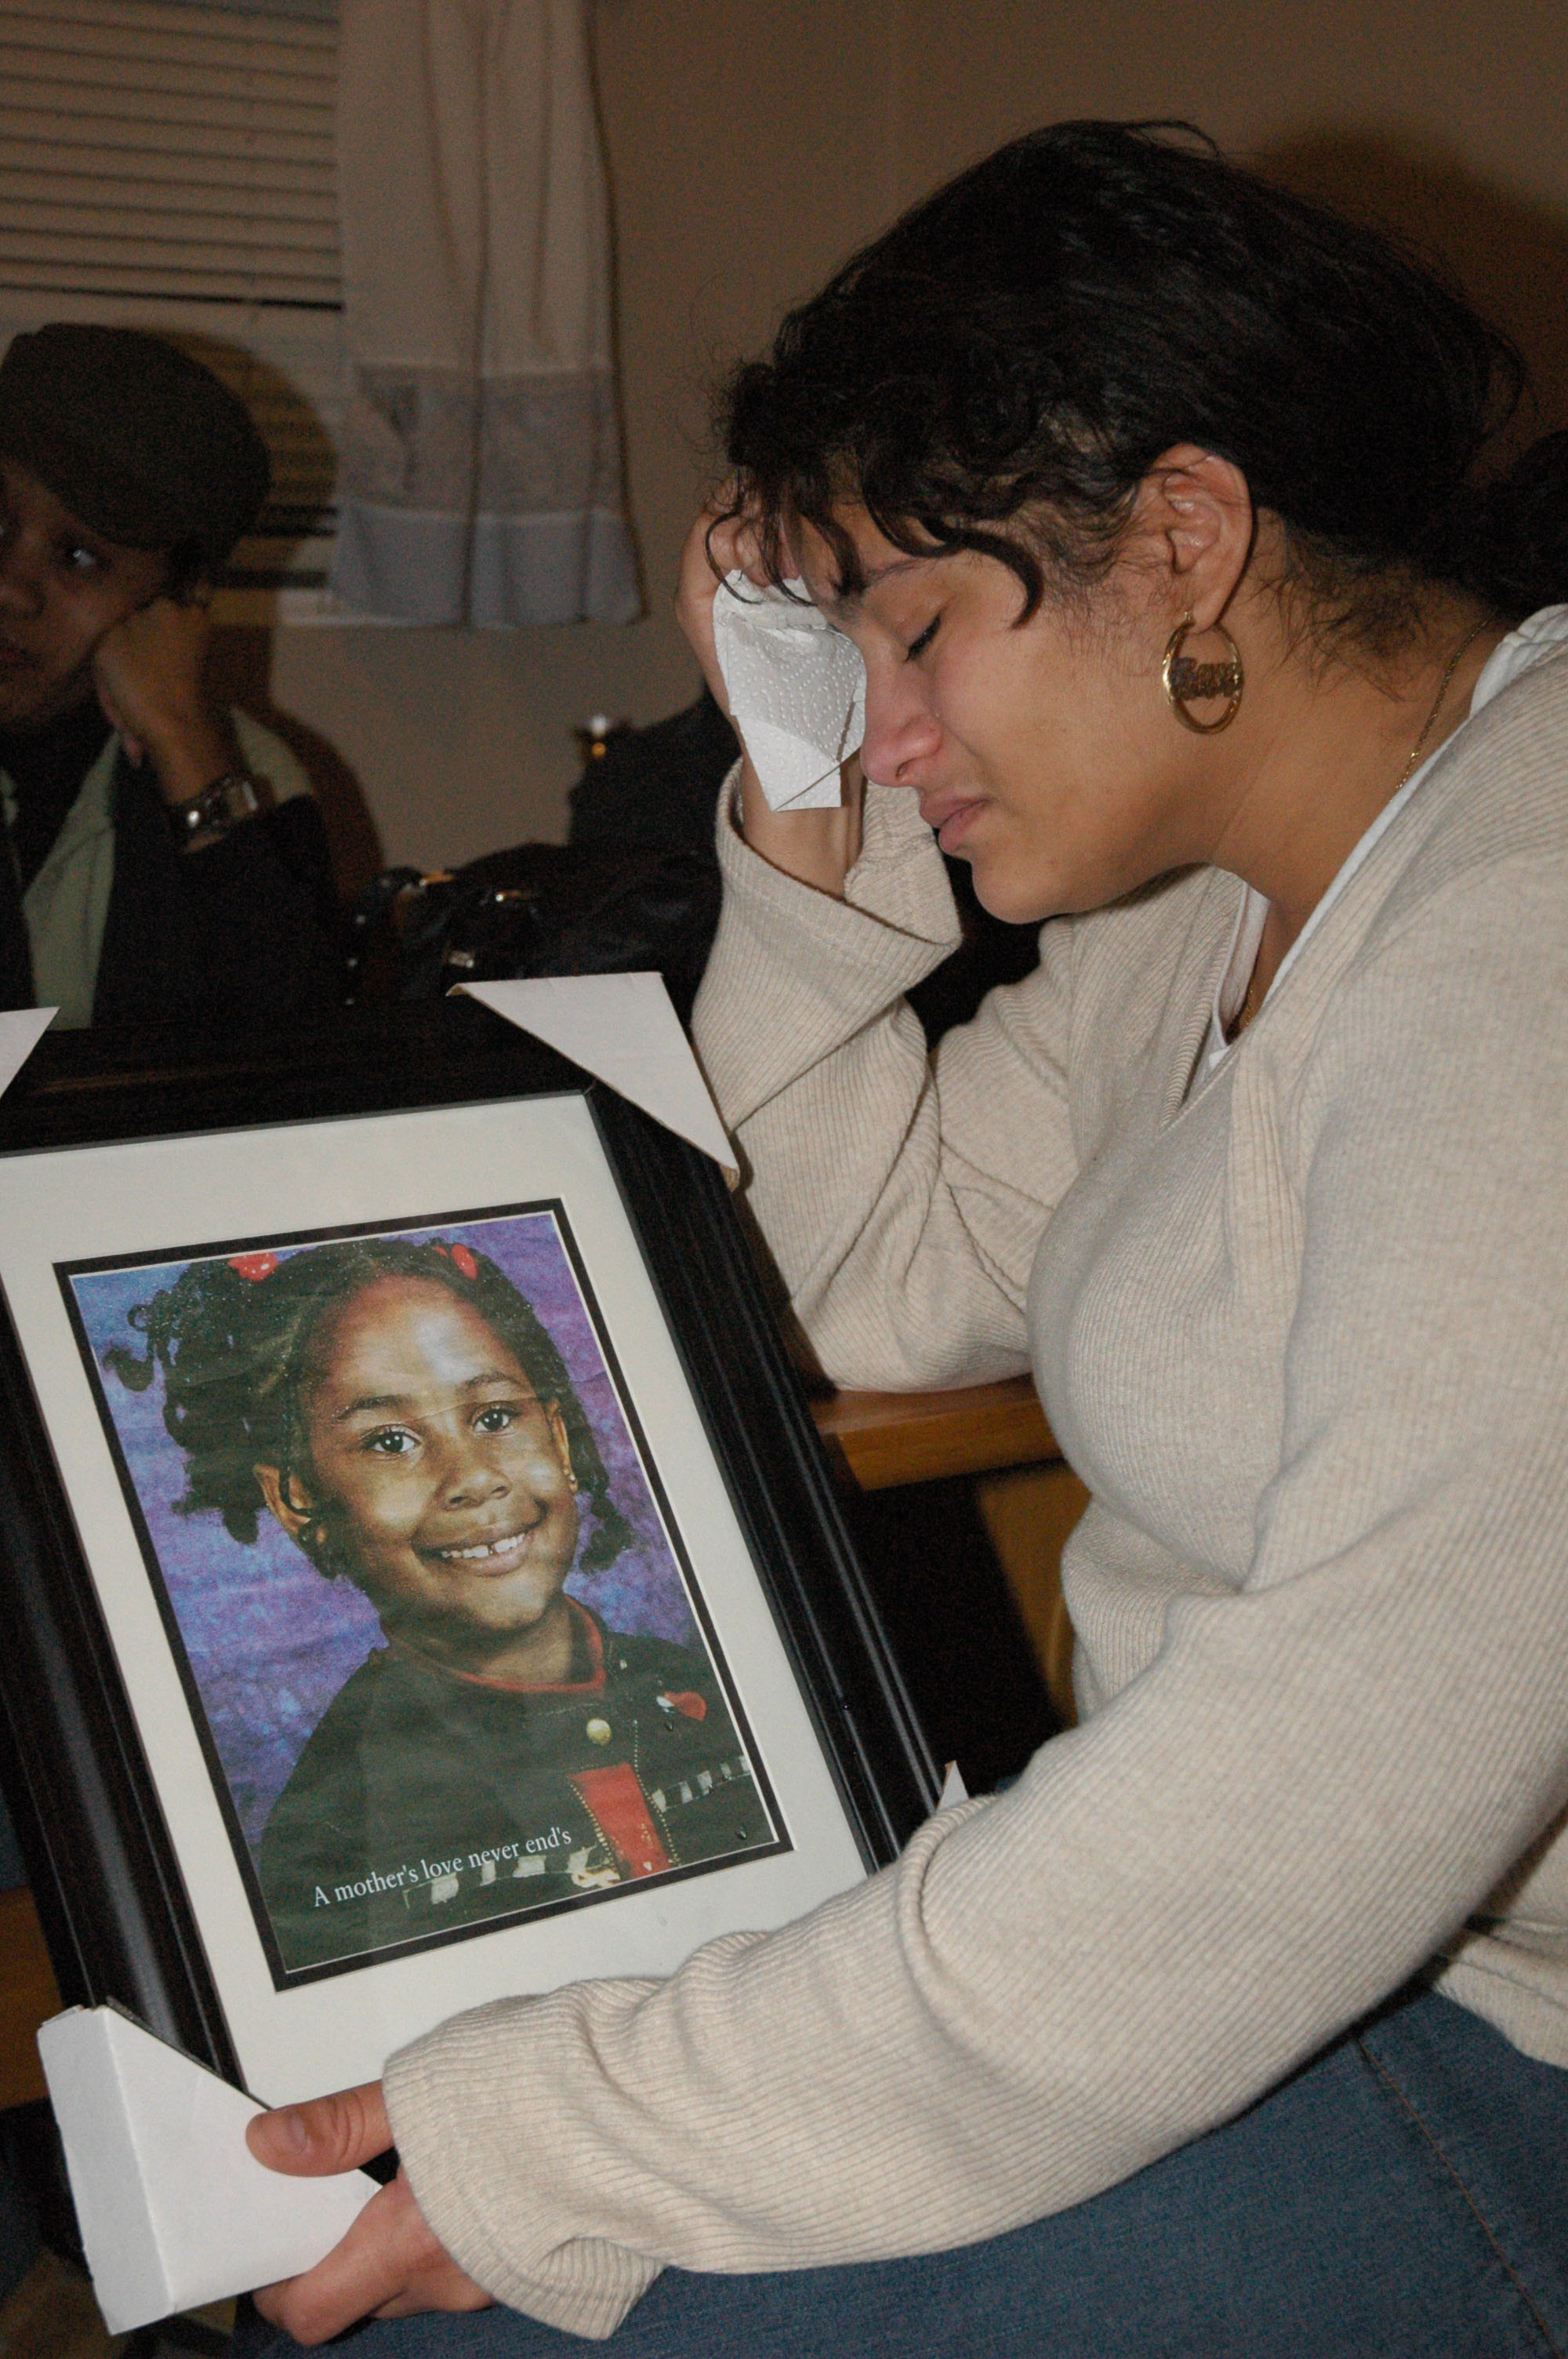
x,y
169,165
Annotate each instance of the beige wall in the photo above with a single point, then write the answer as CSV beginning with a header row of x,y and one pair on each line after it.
x,y
751,145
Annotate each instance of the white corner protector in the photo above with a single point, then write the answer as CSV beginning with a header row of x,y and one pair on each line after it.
x,y
174,2209
623,1030
21,1029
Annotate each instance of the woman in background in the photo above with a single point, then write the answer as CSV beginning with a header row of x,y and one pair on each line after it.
x,y
161,859
1239,2024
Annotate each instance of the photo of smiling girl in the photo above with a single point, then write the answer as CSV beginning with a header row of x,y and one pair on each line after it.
x,y
397,1410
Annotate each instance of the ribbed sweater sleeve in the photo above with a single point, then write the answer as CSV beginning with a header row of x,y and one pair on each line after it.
x,y
1317,1778
902,1199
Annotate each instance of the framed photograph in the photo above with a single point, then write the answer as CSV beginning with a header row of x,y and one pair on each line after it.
x,y
425,1579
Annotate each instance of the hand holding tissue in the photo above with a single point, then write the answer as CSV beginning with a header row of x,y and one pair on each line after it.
x,y
797,688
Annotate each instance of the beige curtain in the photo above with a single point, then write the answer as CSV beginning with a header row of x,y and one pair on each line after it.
x,y
481,464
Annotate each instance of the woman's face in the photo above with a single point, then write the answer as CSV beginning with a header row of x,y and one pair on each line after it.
x,y
1043,754
62,588
448,1478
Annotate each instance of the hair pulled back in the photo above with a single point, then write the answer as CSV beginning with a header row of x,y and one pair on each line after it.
x,y
237,1342
1000,370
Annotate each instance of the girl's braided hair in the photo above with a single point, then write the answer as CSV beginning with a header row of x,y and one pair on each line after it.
x,y
237,1343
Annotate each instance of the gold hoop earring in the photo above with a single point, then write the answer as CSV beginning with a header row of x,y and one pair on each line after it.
x,y
1183,679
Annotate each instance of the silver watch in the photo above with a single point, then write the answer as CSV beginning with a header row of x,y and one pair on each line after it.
x,y
237,795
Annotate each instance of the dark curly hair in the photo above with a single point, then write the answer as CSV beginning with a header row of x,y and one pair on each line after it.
x,y
1000,370
237,1352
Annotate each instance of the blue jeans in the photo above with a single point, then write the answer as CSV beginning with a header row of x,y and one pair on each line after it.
x,y
1406,2193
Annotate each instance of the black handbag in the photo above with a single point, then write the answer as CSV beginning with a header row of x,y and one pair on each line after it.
x,y
636,887
537,909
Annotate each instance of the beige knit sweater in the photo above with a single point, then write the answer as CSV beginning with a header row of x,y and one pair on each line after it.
x,y
1305,1333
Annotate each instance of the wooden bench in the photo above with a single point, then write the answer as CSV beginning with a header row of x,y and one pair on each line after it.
x,y
890,1437
27,1997
1028,1498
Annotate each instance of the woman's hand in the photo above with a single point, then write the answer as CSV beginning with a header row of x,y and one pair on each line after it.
x,y
820,847
149,672
389,2264
728,547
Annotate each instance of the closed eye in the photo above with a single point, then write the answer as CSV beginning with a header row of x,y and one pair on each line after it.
x,y
917,646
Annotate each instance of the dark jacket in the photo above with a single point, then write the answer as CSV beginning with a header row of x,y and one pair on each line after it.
x,y
425,1802
242,932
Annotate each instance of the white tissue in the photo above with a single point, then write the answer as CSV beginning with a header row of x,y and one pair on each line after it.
x,y
798,691
173,2207
622,1028
21,1029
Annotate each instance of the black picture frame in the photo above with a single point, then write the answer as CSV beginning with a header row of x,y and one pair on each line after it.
x,y
106,1875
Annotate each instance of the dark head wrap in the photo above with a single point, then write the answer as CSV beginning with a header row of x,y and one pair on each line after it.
x,y
138,440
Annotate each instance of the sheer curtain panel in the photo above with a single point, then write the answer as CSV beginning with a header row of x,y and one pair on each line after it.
x,y
479,475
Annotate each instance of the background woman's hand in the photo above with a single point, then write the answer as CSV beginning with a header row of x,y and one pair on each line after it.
x,y
820,847
390,2263
149,673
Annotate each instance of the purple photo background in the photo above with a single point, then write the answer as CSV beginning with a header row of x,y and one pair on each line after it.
x,y
270,1642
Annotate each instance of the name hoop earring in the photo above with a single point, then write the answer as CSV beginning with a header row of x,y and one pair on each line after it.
x,y
1184,680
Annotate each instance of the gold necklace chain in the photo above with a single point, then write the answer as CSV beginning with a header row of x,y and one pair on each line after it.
x,y
1254,997
1451,666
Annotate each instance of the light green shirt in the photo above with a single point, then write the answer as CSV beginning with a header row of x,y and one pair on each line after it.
x,y
66,906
